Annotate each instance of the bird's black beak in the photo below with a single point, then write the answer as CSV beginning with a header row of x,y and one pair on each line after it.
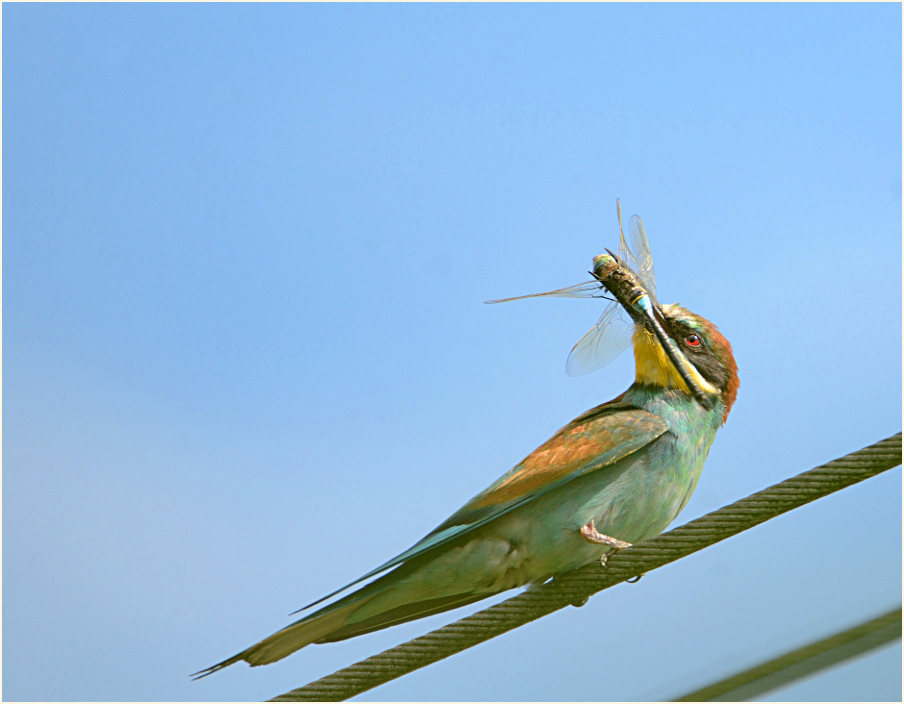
x,y
700,387
622,283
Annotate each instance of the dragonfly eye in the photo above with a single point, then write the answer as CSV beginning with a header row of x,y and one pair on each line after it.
x,y
692,340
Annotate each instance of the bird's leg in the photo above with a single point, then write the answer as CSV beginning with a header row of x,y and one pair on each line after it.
x,y
592,535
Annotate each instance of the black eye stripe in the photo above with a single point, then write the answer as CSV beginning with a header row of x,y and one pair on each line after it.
x,y
681,331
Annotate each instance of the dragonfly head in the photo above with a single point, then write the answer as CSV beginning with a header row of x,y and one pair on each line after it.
x,y
711,363
603,264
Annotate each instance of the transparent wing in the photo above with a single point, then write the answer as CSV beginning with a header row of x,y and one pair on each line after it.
x,y
642,259
588,289
603,342
612,333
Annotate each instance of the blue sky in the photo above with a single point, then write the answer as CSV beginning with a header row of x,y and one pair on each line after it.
x,y
247,359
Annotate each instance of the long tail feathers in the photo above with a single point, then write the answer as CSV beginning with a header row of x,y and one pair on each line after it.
x,y
401,614
332,625
219,666
287,641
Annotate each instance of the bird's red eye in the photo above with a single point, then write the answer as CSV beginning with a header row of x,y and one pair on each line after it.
x,y
692,340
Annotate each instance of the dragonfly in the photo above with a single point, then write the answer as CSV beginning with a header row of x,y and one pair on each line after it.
x,y
611,335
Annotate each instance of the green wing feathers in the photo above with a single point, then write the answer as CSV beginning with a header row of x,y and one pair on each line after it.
x,y
591,442
598,438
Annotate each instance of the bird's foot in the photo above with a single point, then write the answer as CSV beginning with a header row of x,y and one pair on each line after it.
x,y
580,601
592,535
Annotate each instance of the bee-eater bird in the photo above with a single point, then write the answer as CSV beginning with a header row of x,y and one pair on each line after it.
x,y
617,474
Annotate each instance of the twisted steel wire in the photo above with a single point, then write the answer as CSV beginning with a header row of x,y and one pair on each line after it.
x,y
801,662
574,588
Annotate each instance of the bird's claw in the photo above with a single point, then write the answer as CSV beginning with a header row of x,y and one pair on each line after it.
x,y
580,601
592,535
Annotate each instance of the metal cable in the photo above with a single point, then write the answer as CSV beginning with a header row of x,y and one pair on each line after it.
x,y
576,587
802,662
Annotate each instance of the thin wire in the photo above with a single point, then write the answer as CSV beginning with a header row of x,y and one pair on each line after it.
x,y
801,662
576,587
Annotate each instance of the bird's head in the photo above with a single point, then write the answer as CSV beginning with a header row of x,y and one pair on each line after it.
x,y
707,352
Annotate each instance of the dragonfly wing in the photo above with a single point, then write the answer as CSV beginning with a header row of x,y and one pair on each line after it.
x,y
624,251
588,289
642,259
603,342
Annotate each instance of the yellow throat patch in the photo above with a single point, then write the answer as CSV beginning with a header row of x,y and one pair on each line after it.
x,y
653,365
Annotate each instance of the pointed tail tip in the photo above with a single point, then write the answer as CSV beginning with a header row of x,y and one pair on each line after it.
x,y
201,674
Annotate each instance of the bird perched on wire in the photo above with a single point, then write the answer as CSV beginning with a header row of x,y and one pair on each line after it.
x,y
617,474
